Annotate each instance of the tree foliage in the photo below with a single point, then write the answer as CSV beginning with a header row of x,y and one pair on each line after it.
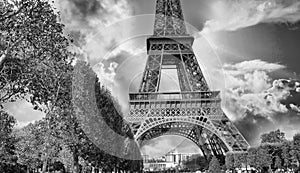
x,y
61,133
295,150
7,142
273,137
98,115
214,165
286,154
35,63
235,160
275,152
259,158
229,161
32,46
278,162
31,142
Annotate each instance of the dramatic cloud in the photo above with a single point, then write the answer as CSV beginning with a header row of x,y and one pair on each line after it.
x,y
256,102
250,89
295,107
252,66
230,15
102,33
108,74
93,13
93,26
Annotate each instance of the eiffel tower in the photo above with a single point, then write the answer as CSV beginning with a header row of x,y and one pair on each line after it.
x,y
195,112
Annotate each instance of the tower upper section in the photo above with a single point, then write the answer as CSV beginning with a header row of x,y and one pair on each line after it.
x,y
169,20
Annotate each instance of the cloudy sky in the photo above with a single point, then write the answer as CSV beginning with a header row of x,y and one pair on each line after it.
x,y
248,49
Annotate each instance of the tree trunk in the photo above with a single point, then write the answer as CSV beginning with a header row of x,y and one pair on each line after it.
x,y
47,144
76,162
2,57
45,161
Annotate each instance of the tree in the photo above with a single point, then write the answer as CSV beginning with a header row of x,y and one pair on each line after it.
x,y
286,154
31,142
259,158
252,156
35,63
98,114
278,162
51,94
229,161
264,158
28,47
295,152
273,137
71,135
29,146
278,153
214,165
7,142
236,160
240,159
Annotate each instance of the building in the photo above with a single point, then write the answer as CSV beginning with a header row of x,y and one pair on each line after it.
x,y
171,160
178,158
159,166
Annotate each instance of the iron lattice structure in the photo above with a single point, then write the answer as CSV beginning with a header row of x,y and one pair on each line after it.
x,y
194,112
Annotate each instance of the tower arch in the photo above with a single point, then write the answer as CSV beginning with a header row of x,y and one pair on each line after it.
x,y
201,136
